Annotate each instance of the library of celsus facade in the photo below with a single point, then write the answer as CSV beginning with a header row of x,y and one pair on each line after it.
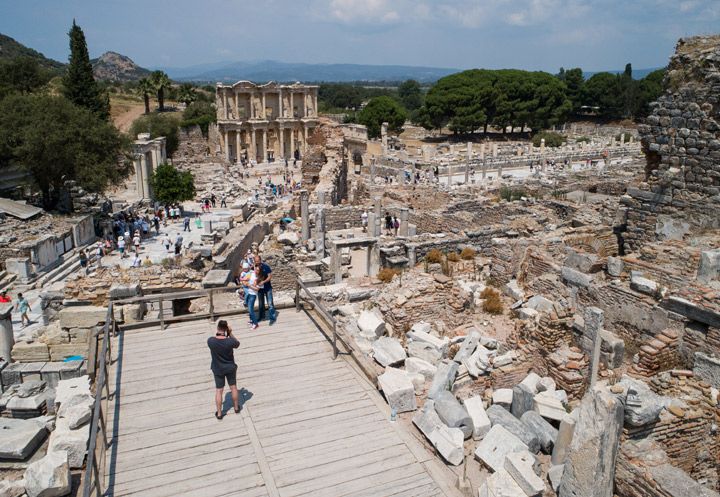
x,y
265,122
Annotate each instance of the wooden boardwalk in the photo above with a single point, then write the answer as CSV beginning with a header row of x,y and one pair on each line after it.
x,y
308,426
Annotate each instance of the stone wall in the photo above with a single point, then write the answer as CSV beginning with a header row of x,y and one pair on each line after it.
x,y
192,146
681,141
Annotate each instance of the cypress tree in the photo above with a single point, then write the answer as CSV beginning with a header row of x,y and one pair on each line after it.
x,y
79,84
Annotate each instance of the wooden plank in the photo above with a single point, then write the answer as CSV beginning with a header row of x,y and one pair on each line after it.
x,y
391,482
268,477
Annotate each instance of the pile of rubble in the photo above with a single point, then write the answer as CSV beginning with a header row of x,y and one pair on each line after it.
x,y
32,410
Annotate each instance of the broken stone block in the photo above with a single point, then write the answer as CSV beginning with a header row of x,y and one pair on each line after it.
x,y
545,432
288,238
524,468
217,278
707,368
443,379
421,327
500,484
709,267
417,365
66,389
576,278
555,475
496,445
371,325
500,416
424,351
546,384
20,438
522,400
48,477
643,285
503,397
480,421
583,262
527,314
30,352
642,405
468,347
504,359
615,266
548,406
439,344
449,443
452,413
532,381
514,291
590,462
398,390
120,291
73,442
479,362
427,420
82,316
540,304
77,410
388,351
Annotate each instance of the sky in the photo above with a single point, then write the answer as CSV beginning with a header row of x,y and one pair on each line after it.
x,y
525,34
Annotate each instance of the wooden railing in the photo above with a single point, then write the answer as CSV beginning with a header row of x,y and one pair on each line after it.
x,y
322,311
99,358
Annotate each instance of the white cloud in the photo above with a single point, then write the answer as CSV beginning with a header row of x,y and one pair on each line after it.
x,y
363,11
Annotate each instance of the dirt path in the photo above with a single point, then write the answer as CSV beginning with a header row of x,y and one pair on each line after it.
x,y
123,114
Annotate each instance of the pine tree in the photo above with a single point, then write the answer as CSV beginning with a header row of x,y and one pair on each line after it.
x,y
79,84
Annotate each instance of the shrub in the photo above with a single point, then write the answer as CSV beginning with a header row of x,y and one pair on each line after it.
x,y
467,254
386,274
551,139
512,194
493,303
434,256
453,257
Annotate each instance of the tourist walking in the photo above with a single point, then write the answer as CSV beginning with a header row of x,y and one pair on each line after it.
x,y
223,202
198,221
167,242
213,200
23,307
83,260
99,253
265,293
396,225
222,365
186,223
388,223
136,242
121,246
178,244
364,220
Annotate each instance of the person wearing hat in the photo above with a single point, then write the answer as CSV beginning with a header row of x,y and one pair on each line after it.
x,y
244,278
121,246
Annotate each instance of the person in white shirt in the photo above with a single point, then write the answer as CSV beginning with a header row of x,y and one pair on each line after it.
x,y
121,246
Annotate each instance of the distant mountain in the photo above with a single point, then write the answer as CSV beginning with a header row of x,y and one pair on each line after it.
x,y
269,70
112,66
10,49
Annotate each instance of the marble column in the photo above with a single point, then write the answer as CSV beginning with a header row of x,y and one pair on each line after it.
x,y
373,260
594,320
372,170
253,143
292,139
280,105
305,138
227,145
335,263
305,214
563,440
263,114
383,137
484,168
237,146
622,139
467,166
225,104
542,146
7,339
292,108
265,143
404,219
281,132
494,150
482,151
377,211
320,231
237,106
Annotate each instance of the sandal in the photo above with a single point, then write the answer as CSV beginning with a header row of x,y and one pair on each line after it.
x,y
237,411
218,417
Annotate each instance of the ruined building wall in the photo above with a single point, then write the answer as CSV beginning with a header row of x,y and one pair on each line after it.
x,y
681,141
192,146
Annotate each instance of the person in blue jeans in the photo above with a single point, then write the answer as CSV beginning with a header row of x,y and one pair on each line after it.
x,y
265,291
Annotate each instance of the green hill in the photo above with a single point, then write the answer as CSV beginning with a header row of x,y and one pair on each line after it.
x,y
10,49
